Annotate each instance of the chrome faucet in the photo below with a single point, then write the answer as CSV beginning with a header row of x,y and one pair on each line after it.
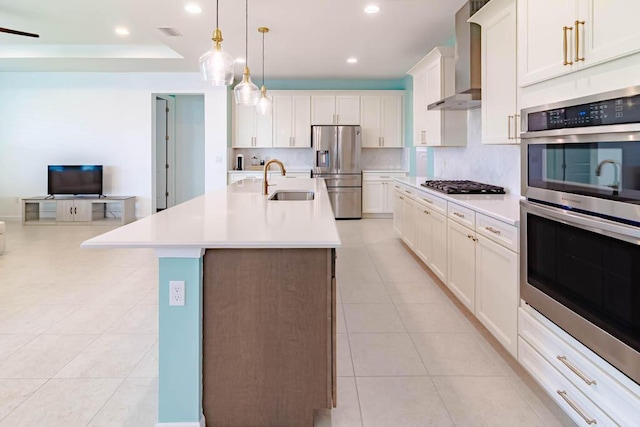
x,y
265,182
616,172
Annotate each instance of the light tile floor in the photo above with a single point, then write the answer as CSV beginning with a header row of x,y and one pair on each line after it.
x,y
78,339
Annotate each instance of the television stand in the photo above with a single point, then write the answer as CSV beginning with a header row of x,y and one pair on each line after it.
x,y
78,210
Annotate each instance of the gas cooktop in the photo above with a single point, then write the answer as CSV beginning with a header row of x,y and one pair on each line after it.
x,y
462,187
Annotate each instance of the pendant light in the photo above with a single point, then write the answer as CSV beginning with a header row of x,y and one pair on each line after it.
x,y
264,104
216,65
246,92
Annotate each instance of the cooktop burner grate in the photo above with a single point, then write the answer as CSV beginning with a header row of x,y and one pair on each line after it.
x,y
462,187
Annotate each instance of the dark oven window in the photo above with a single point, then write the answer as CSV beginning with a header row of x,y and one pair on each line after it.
x,y
596,276
609,170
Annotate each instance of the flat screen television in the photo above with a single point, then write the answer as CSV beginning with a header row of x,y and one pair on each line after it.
x,y
75,179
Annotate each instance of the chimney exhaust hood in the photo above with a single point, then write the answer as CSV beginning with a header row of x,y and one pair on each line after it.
x,y
468,72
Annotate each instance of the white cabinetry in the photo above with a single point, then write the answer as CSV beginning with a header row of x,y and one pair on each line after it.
x,y
557,37
431,234
434,80
377,192
292,121
73,211
335,110
235,176
251,129
462,263
381,121
499,73
584,385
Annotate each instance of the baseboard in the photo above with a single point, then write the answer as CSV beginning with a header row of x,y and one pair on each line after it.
x,y
11,218
377,215
202,423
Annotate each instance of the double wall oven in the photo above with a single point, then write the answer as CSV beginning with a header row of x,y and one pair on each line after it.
x,y
580,222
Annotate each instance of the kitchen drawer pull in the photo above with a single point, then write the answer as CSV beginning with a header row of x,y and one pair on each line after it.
x,y
401,198
575,370
563,395
407,191
381,176
509,127
396,186
459,215
493,230
427,200
427,212
469,236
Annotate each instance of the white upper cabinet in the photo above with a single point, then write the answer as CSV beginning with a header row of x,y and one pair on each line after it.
x,y
499,73
292,121
381,121
251,129
433,79
335,110
561,36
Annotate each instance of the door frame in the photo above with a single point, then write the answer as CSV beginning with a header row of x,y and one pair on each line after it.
x,y
171,151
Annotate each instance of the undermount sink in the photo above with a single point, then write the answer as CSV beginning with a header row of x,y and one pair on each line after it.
x,y
290,195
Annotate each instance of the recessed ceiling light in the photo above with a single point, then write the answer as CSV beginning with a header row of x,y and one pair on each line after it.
x,y
122,31
372,8
352,60
240,60
193,8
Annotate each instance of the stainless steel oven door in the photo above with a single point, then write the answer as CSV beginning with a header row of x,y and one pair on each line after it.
x,y
583,273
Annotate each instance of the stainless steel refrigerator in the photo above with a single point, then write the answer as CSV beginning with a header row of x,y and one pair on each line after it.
x,y
337,160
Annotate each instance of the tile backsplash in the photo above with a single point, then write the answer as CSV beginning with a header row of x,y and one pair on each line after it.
x,y
385,158
491,164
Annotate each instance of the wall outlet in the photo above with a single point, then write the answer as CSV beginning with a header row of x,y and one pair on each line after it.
x,y
176,293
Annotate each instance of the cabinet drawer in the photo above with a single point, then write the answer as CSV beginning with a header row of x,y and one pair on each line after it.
x,y
580,408
382,176
462,215
432,202
501,233
577,365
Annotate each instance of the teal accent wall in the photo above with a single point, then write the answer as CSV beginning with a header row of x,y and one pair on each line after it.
x,y
180,343
361,84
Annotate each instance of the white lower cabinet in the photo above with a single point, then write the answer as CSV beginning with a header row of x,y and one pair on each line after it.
x,y
473,254
496,295
462,263
585,386
377,192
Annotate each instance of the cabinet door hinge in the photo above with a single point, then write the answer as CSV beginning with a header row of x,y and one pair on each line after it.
x,y
166,194
166,138
167,110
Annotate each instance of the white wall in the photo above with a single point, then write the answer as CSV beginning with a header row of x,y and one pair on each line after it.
x,y
96,118
490,164
189,135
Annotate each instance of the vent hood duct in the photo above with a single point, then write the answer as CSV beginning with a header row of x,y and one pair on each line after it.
x,y
468,62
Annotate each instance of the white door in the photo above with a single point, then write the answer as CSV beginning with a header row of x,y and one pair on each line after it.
x,y
610,29
439,253
282,121
462,263
423,235
348,110
499,85
323,110
301,120
420,108
162,162
82,211
434,93
387,196
391,120
409,222
264,130
541,53
370,109
497,292
398,212
64,210
372,196
245,129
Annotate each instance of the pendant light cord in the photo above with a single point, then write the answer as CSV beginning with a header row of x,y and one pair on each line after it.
x,y
217,13
263,59
246,30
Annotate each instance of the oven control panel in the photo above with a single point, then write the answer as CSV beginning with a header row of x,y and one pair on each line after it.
x,y
608,112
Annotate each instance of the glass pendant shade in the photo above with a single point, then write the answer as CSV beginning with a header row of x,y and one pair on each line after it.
x,y
246,92
216,66
264,106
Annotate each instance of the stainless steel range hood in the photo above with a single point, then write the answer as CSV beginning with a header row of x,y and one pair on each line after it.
x,y
468,62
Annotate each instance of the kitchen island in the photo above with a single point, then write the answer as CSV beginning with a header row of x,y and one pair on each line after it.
x,y
254,342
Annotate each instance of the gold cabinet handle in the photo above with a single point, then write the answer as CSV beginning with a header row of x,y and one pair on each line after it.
x,y
565,43
509,127
575,370
423,137
493,230
577,54
401,198
427,212
428,201
515,127
408,192
459,215
563,394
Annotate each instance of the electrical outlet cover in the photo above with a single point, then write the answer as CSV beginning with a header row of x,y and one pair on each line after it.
x,y
176,293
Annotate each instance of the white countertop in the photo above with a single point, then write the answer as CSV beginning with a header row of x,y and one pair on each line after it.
x,y
384,170
238,216
503,207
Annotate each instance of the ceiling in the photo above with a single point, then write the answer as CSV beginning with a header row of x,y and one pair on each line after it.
x,y
308,39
